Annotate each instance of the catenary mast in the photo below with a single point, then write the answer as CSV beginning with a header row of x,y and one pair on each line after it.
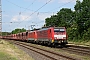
x,y
0,19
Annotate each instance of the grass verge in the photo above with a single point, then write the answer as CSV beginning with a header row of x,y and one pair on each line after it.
x,y
80,42
4,56
10,52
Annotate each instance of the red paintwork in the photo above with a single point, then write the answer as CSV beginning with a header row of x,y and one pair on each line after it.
x,y
46,33
32,35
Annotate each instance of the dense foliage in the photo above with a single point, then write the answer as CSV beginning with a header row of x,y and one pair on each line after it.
x,y
77,22
18,30
14,31
6,33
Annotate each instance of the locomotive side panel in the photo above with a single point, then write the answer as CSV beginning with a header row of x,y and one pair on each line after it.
x,y
43,35
32,36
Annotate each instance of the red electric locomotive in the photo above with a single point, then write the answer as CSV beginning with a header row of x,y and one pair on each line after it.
x,y
52,36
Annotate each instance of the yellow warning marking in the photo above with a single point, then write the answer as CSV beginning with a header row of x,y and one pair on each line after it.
x,y
52,41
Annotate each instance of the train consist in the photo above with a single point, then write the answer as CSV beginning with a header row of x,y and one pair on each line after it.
x,y
49,36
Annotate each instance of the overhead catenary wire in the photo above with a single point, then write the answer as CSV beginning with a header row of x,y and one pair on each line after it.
x,y
26,8
36,11
29,9
29,6
34,1
20,9
10,22
61,5
17,5
48,11
40,8
55,8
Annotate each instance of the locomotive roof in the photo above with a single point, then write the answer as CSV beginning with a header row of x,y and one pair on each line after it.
x,y
49,28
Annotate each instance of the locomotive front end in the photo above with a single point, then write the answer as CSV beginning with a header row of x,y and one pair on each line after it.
x,y
60,35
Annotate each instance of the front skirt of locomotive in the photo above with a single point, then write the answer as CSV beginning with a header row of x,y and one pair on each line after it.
x,y
60,42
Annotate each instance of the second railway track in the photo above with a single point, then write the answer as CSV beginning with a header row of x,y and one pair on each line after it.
x,y
78,50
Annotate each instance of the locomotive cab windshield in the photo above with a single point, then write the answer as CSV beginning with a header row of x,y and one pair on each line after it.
x,y
59,33
59,30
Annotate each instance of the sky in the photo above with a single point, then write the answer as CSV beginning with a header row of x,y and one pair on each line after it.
x,y
25,13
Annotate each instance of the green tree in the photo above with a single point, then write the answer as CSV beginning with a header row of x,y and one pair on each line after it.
x,y
18,30
52,21
6,33
65,17
82,10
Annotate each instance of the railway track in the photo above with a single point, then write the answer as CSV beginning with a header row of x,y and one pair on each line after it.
x,y
84,51
78,50
49,54
77,46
